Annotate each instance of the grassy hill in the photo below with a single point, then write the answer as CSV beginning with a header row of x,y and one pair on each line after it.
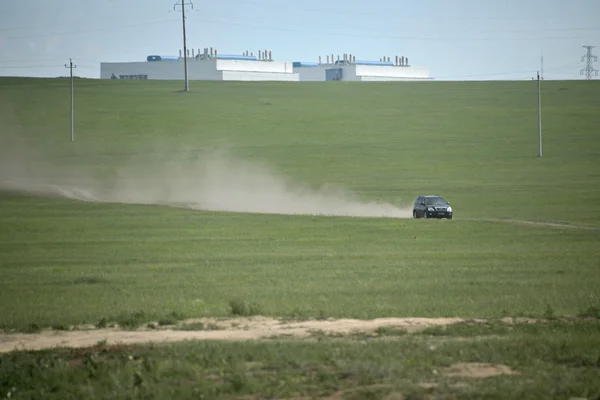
x,y
474,143
524,240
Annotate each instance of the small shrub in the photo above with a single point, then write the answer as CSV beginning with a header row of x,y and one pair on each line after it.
x,y
89,280
198,326
592,312
60,327
171,319
434,331
549,313
32,328
102,323
244,308
387,331
366,393
298,314
132,321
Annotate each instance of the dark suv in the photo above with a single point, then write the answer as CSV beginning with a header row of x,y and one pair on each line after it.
x,y
432,207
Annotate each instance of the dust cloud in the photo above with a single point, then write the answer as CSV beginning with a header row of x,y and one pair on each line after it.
x,y
209,180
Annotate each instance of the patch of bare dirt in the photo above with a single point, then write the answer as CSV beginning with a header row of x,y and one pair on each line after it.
x,y
235,329
478,370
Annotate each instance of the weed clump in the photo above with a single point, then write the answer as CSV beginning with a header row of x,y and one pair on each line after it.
x,y
60,327
102,323
32,328
592,312
389,331
549,313
171,319
244,308
199,326
133,320
89,280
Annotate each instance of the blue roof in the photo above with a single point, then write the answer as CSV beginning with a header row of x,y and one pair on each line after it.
x,y
304,64
161,58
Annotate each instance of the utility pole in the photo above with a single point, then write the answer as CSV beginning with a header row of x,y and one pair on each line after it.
x,y
183,3
539,116
589,58
542,67
71,66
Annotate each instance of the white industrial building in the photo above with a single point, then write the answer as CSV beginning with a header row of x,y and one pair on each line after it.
x,y
348,68
210,65
206,66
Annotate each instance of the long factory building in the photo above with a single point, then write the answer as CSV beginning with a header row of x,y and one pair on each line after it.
x,y
212,65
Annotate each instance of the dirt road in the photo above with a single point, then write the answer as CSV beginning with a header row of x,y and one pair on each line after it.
x,y
213,329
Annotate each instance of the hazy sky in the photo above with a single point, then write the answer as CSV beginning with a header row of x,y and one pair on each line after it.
x,y
460,39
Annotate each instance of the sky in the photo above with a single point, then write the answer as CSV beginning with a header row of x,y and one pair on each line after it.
x,y
455,40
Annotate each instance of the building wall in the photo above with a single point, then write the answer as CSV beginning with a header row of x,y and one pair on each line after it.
x,y
350,73
258,76
200,70
391,72
253,66
162,70
354,72
245,70
311,74
319,73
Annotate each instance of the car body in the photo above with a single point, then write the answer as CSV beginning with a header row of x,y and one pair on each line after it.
x,y
432,206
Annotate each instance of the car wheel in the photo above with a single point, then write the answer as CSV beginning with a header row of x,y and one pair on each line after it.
x,y
449,217
414,214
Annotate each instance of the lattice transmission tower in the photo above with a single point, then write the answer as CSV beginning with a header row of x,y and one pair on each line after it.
x,y
589,58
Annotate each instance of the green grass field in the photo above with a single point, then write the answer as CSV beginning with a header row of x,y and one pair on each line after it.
x,y
64,261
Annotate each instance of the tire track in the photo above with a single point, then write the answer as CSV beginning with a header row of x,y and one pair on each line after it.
x,y
555,225
89,195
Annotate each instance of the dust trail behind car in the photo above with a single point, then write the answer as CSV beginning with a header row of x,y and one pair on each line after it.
x,y
215,181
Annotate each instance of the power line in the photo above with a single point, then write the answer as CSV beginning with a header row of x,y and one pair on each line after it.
x,y
112,28
71,66
566,69
230,15
29,61
522,74
383,36
251,18
391,14
185,55
539,115
259,18
589,68
479,37
241,20
30,66
77,23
